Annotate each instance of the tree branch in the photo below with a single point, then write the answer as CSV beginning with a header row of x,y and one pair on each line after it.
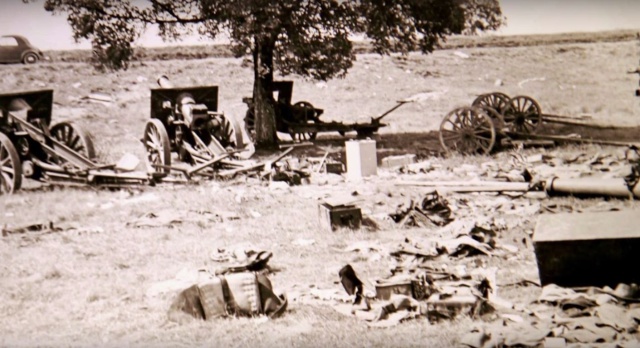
x,y
178,20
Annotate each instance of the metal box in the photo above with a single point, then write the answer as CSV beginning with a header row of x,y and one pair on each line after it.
x,y
385,290
589,249
342,216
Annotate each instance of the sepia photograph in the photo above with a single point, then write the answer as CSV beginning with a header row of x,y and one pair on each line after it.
x,y
319,173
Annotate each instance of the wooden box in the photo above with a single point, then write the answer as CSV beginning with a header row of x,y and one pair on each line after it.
x,y
334,214
588,249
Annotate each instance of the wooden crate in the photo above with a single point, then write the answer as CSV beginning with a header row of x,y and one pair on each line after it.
x,y
588,249
342,216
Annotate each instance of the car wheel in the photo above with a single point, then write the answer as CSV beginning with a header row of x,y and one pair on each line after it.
x,y
30,58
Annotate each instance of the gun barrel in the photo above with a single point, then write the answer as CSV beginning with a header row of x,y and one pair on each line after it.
x,y
163,81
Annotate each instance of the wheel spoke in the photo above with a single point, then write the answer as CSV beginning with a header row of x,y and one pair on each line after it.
x,y
152,145
451,135
74,141
6,180
484,138
482,131
4,183
478,122
454,125
7,169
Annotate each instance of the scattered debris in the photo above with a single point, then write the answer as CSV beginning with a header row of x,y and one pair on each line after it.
x,y
461,54
238,291
592,316
38,228
46,228
401,298
417,168
398,161
127,163
100,98
171,217
432,210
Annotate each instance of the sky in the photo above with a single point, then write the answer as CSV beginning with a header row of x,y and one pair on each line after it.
x,y
49,32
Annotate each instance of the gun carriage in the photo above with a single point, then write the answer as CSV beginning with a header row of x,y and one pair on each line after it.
x,y
301,120
60,154
185,121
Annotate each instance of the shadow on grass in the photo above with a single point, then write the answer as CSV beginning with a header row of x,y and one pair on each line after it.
x,y
427,144
420,144
625,134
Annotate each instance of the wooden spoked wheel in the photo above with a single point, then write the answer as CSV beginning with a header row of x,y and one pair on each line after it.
x,y
156,142
10,168
227,133
250,125
306,114
496,100
496,118
468,131
74,137
523,115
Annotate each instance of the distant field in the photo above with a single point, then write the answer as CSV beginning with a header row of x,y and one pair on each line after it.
x,y
224,51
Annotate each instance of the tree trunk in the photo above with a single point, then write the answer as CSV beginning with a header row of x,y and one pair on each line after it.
x,y
263,103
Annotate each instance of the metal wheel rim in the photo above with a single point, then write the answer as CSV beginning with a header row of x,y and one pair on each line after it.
x,y
497,101
156,143
74,137
523,115
10,170
468,131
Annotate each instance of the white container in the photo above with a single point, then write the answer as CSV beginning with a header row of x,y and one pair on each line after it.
x,y
362,160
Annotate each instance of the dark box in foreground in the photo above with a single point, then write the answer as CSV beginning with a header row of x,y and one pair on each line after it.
x,y
333,217
588,249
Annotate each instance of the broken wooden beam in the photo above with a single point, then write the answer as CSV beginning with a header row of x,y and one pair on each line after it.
x,y
266,165
471,186
571,139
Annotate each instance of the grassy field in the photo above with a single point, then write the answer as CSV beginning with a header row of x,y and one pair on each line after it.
x,y
90,284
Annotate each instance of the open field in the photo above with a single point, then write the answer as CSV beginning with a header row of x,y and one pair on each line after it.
x,y
89,285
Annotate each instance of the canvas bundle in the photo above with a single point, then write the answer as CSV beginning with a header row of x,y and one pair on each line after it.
x,y
244,294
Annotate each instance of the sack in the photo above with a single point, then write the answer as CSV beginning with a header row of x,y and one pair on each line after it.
x,y
244,294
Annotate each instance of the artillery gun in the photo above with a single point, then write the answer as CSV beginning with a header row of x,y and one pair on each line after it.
x,y
186,121
58,154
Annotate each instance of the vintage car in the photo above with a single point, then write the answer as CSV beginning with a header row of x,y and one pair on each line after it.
x,y
17,49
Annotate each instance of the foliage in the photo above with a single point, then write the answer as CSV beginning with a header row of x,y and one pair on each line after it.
x,y
306,37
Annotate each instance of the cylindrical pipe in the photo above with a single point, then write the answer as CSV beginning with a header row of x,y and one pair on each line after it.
x,y
592,187
163,81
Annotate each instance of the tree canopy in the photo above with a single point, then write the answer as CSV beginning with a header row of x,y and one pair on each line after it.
x,y
306,37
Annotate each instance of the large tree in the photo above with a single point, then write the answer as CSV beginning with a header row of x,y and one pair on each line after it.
x,y
306,37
